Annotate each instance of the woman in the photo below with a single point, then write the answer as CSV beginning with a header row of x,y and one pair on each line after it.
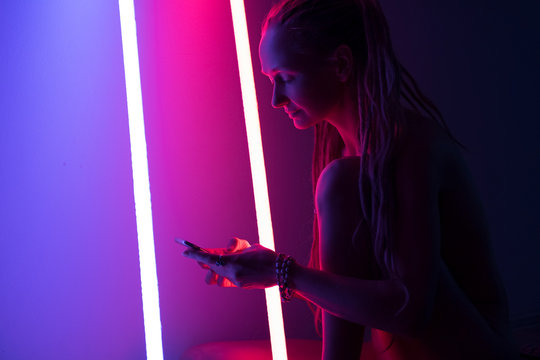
x,y
400,240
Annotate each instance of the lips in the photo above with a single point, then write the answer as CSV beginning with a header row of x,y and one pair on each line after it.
x,y
291,113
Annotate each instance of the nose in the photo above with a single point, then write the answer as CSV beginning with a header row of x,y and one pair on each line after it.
x,y
278,97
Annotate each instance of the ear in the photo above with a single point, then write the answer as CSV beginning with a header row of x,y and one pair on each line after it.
x,y
344,62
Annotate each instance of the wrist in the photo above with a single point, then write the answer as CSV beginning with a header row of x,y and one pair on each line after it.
x,y
284,268
293,272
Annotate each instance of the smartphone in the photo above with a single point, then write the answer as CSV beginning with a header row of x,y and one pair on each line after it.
x,y
190,245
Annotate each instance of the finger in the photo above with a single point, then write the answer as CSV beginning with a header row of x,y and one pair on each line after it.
x,y
233,244
216,251
211,278
201,257
236,244
203,265
224,282
231,247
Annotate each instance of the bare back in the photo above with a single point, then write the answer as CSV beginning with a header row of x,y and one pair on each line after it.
x,y
470,316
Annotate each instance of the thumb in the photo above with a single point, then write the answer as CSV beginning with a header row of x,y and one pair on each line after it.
x,y
237,244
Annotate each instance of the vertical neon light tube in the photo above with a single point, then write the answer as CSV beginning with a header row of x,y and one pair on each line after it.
x,y
141,183
258,172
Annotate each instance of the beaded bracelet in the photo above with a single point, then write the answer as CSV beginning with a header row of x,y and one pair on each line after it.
x,y
283,266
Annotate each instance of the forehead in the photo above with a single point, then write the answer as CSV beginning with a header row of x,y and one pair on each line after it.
x,y
278,51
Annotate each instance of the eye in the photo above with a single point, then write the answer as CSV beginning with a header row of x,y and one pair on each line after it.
x,y
281,78
285,78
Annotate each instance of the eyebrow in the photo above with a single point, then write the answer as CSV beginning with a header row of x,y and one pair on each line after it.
x,y
274,70
271,71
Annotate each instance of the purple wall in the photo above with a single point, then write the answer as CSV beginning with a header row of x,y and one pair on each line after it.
x,y
69,282
69,274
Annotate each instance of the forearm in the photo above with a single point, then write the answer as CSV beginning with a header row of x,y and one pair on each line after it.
x,y
373,303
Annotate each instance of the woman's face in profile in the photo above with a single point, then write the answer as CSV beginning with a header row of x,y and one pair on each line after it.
x,y
305,85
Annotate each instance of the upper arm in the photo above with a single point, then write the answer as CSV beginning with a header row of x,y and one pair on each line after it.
x,y
338,214
338,209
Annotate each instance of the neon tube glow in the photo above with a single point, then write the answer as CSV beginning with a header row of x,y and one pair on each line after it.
x,y
258,172
141,183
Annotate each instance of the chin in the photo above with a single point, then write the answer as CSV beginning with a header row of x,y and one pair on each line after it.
x,y
303,124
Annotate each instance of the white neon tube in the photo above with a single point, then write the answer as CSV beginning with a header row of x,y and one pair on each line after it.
x,y
141,183
258,172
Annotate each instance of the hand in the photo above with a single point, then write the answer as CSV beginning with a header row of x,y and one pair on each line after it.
x,y
235,245
251,267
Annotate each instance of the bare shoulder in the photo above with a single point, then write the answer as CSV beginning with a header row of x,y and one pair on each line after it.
x,y
338,182
342,233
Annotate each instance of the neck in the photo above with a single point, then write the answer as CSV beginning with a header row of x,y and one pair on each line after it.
x,y
345,120
350,151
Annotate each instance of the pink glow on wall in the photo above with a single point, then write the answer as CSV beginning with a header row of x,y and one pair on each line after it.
x,y
198,165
